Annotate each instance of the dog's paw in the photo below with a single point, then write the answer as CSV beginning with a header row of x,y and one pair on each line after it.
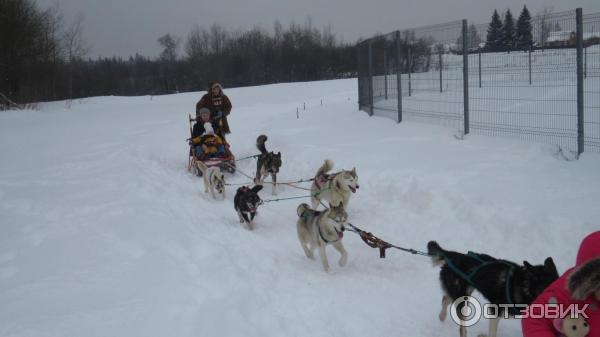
x,y
343,260
482,335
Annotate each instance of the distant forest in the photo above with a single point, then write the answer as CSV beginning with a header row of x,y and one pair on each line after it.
x,y
43,58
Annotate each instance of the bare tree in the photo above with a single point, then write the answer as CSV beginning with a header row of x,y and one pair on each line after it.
x,y
74,46
168,57
197,44
170,45
218,38
52,21
328,37
542,25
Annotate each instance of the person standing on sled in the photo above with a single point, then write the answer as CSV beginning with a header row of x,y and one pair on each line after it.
x,y
205,137
219,105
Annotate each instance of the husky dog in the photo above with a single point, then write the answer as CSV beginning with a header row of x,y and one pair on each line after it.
x,y
267,163
318,229
335,188
499,281
214,180
245,202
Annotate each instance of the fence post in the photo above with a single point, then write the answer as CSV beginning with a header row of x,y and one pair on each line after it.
x,y
479,66
530,65
580,135
360,93
542,35
440,56
409,69
385,72
584,62
398,76
370,77
465,75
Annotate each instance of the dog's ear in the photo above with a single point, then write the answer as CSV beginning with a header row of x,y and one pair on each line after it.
x,y
279,154
256,188
354,171
550,267
528,266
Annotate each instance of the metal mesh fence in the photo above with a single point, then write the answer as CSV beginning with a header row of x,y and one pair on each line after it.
x,y
528,92
591,74
451,74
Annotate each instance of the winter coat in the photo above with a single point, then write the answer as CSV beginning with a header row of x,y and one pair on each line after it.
x,y
565,290
199,130
215,104
212,143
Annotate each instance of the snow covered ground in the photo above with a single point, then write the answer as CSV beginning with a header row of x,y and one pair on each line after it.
x,y
103,232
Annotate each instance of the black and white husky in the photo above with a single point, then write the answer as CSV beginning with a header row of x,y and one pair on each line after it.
x,y
499,281
317,229
246,202
267,163
336,188
214,180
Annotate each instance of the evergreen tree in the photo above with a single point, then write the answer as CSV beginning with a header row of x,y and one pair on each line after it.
x,y
524,36
508,31
494,33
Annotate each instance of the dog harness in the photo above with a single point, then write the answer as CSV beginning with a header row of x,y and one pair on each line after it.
x,y
268,160
322,179
308,214
485,261
340,235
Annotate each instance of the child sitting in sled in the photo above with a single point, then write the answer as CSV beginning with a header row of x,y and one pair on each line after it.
x,y
209,144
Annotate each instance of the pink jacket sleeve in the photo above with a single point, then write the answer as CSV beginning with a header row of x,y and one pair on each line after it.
x,y
543,327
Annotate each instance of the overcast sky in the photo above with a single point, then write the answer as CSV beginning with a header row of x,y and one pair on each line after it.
x,y
126,27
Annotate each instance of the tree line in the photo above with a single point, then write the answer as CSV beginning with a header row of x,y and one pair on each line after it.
x,y
43,58
506,35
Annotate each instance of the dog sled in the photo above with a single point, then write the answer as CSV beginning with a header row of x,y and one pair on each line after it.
x,y
225,163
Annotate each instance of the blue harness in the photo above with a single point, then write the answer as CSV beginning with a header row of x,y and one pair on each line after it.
x,y
483,263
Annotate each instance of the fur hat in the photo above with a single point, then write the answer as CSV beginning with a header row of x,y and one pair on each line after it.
x,y
215,84
585,280
208,129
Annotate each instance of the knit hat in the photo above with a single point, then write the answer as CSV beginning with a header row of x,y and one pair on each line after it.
x,y
203,110
208,129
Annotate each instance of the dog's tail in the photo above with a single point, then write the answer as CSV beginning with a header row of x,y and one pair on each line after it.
x,y
326,167
302,209
436,252
260,144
